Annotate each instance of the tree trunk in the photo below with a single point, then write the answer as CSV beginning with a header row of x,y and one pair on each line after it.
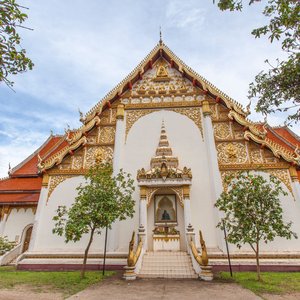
x,y
86,254
257,262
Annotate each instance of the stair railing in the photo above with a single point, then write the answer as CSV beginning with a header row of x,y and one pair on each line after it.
x,y
134,258
199,261
9,256
202,259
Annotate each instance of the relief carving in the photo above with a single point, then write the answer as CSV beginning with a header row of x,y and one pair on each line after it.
x,y
77,162
93,153
229,153
222,131
107,135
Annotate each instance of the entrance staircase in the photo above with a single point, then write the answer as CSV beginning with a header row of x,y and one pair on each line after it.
x,y
167,264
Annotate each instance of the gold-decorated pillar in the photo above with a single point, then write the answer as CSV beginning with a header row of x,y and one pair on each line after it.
x,y
213,172
143,213
113,237
187,206
295,183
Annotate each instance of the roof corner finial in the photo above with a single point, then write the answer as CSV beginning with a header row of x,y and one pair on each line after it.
x,y
160,36
9,169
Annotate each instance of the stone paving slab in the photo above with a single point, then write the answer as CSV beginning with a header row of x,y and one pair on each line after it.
x,y
163,289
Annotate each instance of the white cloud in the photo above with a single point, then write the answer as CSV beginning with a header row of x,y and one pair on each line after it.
x,y
181,14
81,51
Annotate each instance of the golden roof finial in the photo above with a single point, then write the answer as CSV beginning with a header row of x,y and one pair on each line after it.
x,y
160,36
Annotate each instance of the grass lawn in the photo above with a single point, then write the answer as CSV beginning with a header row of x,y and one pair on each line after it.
x,y
272,282
67,283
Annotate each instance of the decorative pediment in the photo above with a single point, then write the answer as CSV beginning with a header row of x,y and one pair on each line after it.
x,y
163,80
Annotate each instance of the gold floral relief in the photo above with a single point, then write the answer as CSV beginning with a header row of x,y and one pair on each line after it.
x,y
93,153
134,115
90,157
91,139
55,180
281,174
284,176
113,115
193,113
105,117
150,191
255,156
223,112
214,113
238,131
77,162
222,131
229,153
107,135
224,175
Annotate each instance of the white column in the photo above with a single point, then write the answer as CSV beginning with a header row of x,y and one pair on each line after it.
x,y
4,215
36,230
216,186
295,184
143,214
113,234
187,206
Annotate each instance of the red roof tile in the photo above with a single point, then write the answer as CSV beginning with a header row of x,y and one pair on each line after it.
x,y
29,165
19,198
20,184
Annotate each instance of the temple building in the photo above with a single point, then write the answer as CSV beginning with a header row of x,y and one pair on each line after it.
x,y
179,136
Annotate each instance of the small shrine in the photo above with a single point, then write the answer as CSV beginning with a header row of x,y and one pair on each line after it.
x,y
165,174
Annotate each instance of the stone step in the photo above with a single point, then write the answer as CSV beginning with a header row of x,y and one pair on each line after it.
x,y
167,275
167,261
167,264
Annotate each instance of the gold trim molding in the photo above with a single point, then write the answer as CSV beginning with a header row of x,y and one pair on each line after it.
x,y
281,174
55,181
194,114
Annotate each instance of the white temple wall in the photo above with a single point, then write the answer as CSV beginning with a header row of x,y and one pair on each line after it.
x,y
291,213
64,194
187,144
16,222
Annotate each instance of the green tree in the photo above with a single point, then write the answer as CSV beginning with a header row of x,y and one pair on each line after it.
x,y
13,58
277,89
252,211
5,245
102,200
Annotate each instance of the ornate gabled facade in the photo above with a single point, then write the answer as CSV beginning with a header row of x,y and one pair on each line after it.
x,y
177,182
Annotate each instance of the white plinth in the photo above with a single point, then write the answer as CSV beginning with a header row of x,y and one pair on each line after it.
x,y
168,242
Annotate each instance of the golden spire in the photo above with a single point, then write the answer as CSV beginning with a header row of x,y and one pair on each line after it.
x,y
164,152
160,36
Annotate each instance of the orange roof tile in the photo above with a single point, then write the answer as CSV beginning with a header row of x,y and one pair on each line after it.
x,y
19,198
29,165
21,184
287,134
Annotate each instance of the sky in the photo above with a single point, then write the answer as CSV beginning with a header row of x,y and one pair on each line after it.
x,y
82,49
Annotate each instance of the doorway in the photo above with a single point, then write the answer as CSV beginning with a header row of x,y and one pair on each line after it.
x,y
26,239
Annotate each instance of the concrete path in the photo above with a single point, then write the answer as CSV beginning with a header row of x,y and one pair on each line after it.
x,y
115,288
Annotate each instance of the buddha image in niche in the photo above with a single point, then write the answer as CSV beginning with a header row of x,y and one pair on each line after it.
x,y
165,209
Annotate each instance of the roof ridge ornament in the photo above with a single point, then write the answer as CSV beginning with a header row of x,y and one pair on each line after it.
x,y
160,36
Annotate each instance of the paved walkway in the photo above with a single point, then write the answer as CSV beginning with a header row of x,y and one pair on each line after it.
x,y
164,289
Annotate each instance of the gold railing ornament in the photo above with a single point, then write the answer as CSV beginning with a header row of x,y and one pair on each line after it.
x,y
206,270
132,258
203,258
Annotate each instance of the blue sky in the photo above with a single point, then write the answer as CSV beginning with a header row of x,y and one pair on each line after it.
x,y
82,49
